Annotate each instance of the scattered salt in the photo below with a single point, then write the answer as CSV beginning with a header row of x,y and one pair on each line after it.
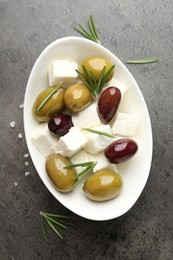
x,y
26,163
20,135
21,106
12,124
15,184
27,173
26,155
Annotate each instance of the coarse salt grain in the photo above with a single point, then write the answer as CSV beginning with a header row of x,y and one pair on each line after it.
x,y
15,184
26,163
26,155
21,106
27,173
20,135
12,124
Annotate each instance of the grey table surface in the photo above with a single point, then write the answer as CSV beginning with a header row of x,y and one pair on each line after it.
x,y
129,29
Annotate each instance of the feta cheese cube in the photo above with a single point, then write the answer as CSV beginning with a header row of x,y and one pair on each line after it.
x,y
96,142
124,125
114,82
87,118
44,140
80,157
102,162
62,71
71,143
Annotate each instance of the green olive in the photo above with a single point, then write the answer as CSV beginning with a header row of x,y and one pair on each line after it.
x,y
63,179
53,106
103,185
77,97
95,65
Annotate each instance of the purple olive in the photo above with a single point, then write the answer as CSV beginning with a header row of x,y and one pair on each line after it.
x,y
121,150
60,124
108,104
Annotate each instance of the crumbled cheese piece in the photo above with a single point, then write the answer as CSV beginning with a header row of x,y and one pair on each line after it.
x,y
96,142
71,143
62,71
124,125
26,155
80,157
27,173
87,118
20,136
44,140
115,83
102,162
12,124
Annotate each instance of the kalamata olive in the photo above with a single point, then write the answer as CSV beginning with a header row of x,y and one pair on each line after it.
x,y
63,179
53,106
121,150
60,124
103,185
108,104
95,65
77,97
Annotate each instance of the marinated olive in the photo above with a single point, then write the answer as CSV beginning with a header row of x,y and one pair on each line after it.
x,y
60,124
108,104
53,105
63,179
121,150
77,97
103,185
95,65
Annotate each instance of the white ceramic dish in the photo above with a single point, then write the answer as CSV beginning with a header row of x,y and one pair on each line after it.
x,y
135,172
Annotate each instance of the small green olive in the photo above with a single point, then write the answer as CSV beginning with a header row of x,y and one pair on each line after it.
x,y
95,65
63,179
53,106
77,97
103,185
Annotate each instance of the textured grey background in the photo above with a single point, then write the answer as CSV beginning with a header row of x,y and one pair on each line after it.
x,y
129,29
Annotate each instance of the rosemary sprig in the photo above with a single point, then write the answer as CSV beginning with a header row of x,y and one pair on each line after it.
x,y
48,97
142,61
98,132
89,167
56,222
93,84
92,33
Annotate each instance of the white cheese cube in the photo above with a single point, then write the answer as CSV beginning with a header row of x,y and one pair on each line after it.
x,y
102,162
124,125
87,118
71,143
80,157
96,142
44,140
62,71
115,83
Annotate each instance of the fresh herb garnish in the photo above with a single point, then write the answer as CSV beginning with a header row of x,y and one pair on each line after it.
x,y
48,97
142,61
89,167
92,33
93,84
98,132
56,222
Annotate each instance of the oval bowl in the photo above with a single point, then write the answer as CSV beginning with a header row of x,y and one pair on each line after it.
x,y
135,172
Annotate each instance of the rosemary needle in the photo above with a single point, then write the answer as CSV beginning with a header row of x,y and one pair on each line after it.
x,y
90,34
56,222
99,132
48,97
142,61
